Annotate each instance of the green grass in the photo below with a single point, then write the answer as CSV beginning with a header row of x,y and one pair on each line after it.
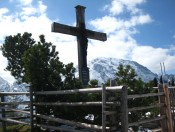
x,y
17,128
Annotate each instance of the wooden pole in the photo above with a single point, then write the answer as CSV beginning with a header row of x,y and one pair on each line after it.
x,y
103,108
31,108
3,115
72,123
124,109
168,109
74,91
162,109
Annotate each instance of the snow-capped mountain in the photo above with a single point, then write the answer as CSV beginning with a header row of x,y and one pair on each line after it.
x,y
103,69
20,88
6,87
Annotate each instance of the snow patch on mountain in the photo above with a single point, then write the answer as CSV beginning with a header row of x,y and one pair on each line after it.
x,y
6,87
101,69
104,69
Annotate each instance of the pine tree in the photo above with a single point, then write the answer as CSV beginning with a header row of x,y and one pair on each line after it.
x,y
13,49
161,80
126,75
42,67
155,82
38,64
93,83
70,82
173,82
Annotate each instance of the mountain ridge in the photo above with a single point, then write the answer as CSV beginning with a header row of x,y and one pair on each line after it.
x,y
101,68
104,68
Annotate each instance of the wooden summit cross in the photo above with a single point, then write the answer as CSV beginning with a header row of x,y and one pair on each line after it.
x,y
82,34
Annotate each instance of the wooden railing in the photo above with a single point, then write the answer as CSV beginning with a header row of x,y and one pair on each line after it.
x,y
104,104
163,106
6,108
114,99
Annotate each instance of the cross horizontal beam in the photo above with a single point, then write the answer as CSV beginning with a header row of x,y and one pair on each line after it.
x,y
76,31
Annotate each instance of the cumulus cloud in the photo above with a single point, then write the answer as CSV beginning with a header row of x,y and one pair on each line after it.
x,y
138,20
3,11
150,56
115,8
107,24
110,24
33,10
25,2
119,6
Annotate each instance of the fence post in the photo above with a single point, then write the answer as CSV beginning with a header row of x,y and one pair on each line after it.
x,y
31,108
3,114
162,109
124,109
103,108
168,109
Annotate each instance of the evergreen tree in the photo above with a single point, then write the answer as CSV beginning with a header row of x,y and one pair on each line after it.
x,y
93,83
155,82
173,82
70,82
38,64
126,75
161,80
107,83
13,49
42,67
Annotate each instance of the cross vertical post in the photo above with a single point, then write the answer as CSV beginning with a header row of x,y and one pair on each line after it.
x,y
82,35
82,44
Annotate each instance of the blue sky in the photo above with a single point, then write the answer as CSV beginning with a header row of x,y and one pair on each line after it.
x,y
138,30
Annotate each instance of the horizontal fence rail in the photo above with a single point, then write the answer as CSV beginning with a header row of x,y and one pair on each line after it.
x,y
14,93
87,90
145,95
74,103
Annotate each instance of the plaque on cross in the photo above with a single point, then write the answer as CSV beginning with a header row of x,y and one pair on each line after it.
x,y
82,39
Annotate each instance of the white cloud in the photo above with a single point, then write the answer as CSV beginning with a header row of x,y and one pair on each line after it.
x,y
131,5
3,11
5,74
33,10
138,20
116,7
119,6
149,56
107,24
28,11
42,7
25,2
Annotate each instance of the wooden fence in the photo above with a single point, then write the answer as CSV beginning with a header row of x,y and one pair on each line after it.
x,y
114,100
104,91
163,106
